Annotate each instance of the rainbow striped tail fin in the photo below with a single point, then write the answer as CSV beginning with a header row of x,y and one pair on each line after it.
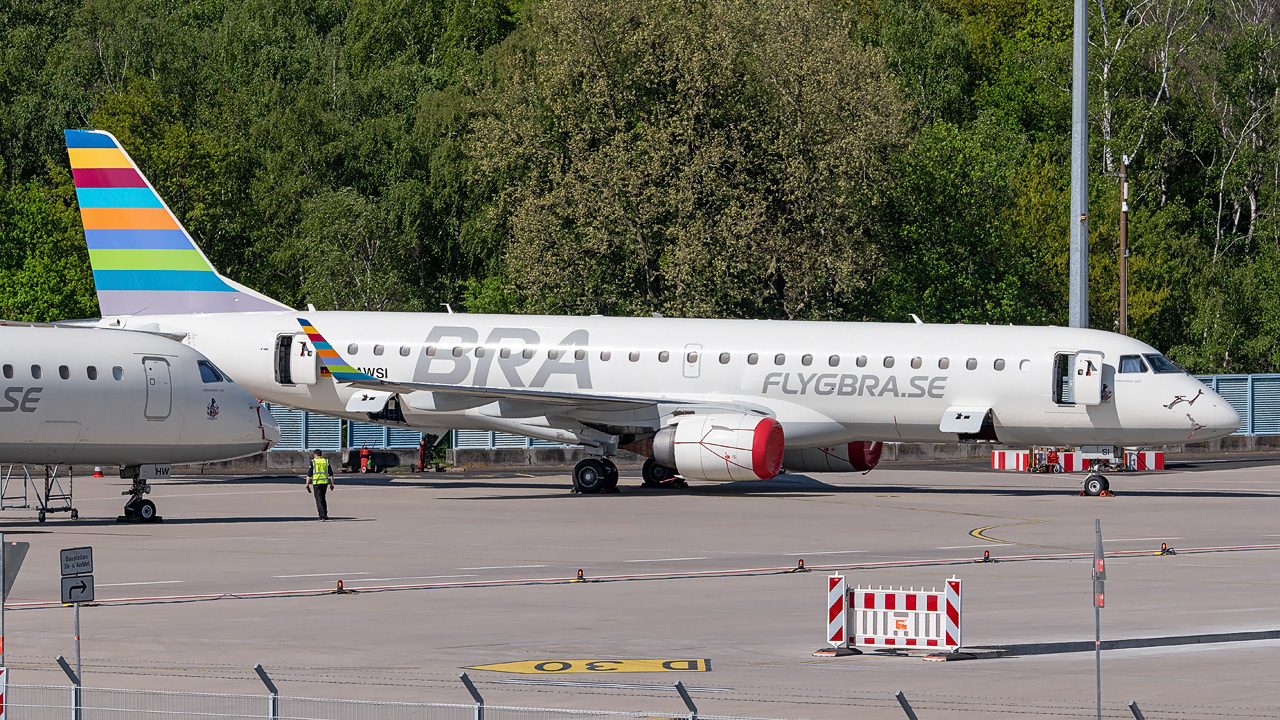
x,y
144,261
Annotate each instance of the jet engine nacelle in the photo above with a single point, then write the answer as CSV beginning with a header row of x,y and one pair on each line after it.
x,y
722,447
857,456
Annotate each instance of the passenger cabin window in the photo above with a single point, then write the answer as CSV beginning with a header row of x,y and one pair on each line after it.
x,y
378,349
117,372
916,363
971,363
664,356
724,358
944,363
553,354
208,373
888,361
999,364
36,372
752,359
504,353
91,372
479,352
691,358
605,355
527,353
404,351
458,351
8,372
579,354
806,360
833,361
861,361
779,359
352,349
634,356
64,372
430,351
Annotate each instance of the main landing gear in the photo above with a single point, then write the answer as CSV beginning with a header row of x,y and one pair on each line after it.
x,y
595,475
138,509
1097,485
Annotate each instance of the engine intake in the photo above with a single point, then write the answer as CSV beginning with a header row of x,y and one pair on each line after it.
x,y
857,456
722,447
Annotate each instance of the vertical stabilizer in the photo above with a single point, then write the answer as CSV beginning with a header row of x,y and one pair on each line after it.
x,y
144,262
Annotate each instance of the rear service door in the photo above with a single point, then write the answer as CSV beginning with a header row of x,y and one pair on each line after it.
x,y
159,388
1086,382
304,362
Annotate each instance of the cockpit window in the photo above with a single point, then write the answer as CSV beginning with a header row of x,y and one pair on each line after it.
x,y
1132,364
1161,364
209,373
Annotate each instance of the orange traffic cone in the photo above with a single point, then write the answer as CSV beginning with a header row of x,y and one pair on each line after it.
x,y
97,472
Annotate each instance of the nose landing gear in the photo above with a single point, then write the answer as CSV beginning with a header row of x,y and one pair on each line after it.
x,y
138,509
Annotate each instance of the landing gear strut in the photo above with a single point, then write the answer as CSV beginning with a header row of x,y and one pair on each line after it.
x,y
1096,485
138,509
595,475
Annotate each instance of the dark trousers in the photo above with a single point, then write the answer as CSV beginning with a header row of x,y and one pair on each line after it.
x,y
322,506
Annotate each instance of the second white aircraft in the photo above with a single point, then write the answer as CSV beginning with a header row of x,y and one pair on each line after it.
x,y
703,399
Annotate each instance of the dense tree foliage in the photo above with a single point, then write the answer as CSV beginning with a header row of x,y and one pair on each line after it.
x,y
825,159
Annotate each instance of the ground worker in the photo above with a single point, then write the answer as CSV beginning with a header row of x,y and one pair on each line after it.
x,y
321,478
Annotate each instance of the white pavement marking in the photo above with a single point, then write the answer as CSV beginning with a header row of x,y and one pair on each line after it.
x,y
419,577
151,582
826,552
328,574
968,547
666,559
503,567
1109,540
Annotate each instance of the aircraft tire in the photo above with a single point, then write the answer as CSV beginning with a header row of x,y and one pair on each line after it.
x,y
146,510
655,473
589,476
610,474
1095,485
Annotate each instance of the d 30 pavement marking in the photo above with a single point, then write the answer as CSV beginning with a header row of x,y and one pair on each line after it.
x,y
560,667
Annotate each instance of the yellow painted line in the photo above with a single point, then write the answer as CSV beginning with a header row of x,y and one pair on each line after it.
x,y
562,667
978,534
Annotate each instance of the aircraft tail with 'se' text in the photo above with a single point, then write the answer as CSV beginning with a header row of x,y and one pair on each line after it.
x,y
144,261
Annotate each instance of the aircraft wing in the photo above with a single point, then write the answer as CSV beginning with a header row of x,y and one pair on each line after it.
x,y
554,400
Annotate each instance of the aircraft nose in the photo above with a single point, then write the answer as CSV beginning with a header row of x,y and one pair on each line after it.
x,y
270,428
1222,419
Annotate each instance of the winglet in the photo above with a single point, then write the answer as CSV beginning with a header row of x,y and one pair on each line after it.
x,y
332,361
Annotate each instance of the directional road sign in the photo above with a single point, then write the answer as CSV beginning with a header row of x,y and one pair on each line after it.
x,y
14,552
77,589
77,561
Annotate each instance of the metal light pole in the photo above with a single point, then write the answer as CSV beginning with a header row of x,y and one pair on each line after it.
x,y
1124,244
1079,256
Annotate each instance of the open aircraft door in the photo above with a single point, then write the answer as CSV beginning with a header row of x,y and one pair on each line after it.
x,y
296,360
1086,378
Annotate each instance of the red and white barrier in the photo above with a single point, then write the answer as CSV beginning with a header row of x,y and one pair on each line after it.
x,y
894,617
1144,460
1010,460
837,611
1072,461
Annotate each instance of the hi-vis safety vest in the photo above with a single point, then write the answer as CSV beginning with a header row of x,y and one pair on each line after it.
x,y
319,471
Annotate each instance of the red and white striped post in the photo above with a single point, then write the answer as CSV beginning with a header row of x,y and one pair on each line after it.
x,y
837,611
953,612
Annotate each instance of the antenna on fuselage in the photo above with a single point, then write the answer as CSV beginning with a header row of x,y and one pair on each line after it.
x,y
917,319
448,307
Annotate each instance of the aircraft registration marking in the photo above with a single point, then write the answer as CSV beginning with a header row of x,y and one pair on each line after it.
x,y
560,667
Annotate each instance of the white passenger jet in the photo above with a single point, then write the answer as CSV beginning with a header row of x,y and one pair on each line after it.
x,y
702,399
102,397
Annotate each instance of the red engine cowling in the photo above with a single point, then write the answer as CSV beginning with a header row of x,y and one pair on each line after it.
x,y
857,456
722,447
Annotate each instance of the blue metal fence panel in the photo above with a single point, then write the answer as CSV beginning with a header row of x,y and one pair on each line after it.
x,y
290,422
401,438
362,434
1266,405
472,439
322,432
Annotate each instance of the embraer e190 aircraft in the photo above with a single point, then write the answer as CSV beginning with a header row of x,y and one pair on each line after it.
x,y
91,396
702,399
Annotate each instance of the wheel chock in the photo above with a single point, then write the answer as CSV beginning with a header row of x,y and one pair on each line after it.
x,y
841,651
1106,493
1166,550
